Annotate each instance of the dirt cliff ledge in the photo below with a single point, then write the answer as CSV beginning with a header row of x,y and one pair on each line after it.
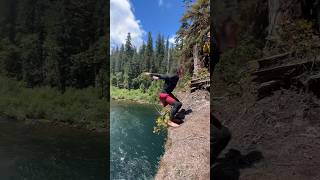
x,y
187,150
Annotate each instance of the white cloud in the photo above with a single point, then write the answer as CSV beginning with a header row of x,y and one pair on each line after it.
x,y
172,39
123,21
166,4
160,2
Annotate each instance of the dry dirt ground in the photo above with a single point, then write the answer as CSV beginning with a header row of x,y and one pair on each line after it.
x,y
284,128
187,150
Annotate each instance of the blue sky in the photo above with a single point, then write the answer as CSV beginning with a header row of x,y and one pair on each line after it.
x,y
159,16
141,16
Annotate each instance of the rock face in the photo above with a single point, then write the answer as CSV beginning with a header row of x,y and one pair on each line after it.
x,y
187,150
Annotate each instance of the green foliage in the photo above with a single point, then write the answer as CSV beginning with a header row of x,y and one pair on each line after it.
x,y
9,65
184,82
153,90
203,73
113,80
119,77
78,107
194,26
162,122
132,94
233,63
141,82
126,80
147,92
31,60
56,43
148,53
128,64
297,37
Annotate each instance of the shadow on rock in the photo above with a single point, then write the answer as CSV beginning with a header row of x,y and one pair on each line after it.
x,y
228,168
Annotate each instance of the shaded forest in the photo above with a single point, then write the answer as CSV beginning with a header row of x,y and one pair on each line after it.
x,y
55,43
251,30
54,61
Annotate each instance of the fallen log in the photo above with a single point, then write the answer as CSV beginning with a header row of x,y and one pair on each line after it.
x,y
266,89
193,89
313,84
206,87
299,80
268,61
200,83
279,72
195,80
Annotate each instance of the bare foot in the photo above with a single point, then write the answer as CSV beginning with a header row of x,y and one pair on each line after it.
x,y
177,121
172,124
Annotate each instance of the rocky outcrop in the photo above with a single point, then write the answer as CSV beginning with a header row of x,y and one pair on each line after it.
x,y
187,150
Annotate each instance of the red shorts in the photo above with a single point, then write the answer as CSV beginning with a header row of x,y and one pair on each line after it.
x,y
166,99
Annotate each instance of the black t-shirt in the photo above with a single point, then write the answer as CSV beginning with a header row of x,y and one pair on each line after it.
x,y
170,82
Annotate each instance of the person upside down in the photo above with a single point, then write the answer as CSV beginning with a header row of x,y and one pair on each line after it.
x,y
166,97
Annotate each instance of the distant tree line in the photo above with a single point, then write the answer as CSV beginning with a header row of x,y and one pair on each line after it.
x,y
58,43
128,62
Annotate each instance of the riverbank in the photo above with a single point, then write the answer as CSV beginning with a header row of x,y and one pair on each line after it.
x,y
148,96
187,149
135,95
81,108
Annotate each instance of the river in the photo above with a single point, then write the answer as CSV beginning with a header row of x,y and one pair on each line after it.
x,y
134,149
45,152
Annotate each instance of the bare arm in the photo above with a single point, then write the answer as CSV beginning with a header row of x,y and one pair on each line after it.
x,y
156,76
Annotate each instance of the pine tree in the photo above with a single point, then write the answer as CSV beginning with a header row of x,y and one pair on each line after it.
x,y
141,60
119,61
167,55
128,46
194,26
59,43
148,56
159,54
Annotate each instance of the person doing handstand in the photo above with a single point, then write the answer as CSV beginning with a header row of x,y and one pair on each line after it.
x,y
166,97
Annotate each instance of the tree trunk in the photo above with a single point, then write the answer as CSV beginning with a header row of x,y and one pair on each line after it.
x,y
274,10
196,60
281,12
317,13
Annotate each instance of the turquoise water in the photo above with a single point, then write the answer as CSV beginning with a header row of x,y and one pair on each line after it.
x,y
134,149
43,152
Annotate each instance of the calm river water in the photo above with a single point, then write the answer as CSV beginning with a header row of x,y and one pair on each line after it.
x,y
43,152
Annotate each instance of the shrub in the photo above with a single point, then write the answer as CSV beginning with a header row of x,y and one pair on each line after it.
x,y
82,107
